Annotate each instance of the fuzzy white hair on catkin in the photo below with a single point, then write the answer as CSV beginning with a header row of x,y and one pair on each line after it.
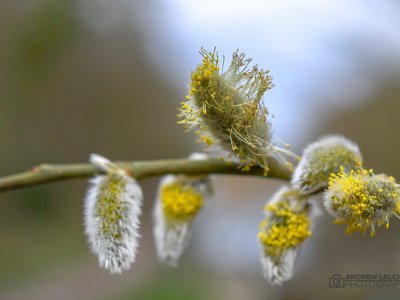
x,y
100,162
114,254
276,274
334,140
327,196
305,167
280,195
198,156
172,236
313,210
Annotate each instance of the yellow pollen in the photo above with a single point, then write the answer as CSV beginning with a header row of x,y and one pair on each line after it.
x,y
206,139
227,105
285,229
203,74
109,206
362,199
180,201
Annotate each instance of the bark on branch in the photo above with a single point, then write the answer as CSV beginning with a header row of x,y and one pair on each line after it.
x,y
47,173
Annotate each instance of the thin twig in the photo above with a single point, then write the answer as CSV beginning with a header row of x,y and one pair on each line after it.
x,y
47,173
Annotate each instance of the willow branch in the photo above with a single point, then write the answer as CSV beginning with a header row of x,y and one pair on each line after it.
x,y
47,173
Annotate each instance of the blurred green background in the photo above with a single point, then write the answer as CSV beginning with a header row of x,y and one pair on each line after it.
x,y
78,77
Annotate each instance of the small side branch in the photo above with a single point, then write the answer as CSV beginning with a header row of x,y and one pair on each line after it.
x,y
47,173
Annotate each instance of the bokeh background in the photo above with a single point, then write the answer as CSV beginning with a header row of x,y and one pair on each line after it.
x,y
83,76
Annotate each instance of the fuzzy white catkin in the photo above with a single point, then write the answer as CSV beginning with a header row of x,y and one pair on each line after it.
x,y
172,235
115,253
278,272
323,157
274,273
171,238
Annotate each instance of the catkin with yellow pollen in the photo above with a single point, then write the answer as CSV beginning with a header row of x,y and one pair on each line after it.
x,y
320,159
179,201
109,207
361,199
226,109
112,209
284,229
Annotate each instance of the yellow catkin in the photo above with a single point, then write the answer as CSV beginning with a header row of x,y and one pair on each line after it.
x,y
226,109
361,199
283,229
180,201
203,74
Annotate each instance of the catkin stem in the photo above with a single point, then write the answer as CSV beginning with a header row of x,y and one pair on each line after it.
x,y
47,173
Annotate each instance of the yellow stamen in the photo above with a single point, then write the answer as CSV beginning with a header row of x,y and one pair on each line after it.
x,y
285,229
180,201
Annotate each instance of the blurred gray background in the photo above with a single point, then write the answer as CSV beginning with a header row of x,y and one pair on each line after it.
x,y
83,76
